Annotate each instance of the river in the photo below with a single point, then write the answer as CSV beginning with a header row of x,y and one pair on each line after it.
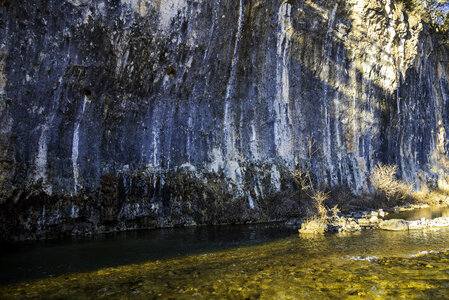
x,y
247,261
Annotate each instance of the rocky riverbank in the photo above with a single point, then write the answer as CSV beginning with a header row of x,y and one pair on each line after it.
x,y
375,219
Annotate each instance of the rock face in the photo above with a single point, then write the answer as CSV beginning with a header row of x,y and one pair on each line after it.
x,y
122,114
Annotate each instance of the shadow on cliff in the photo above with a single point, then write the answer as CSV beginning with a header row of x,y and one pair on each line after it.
x,y
126,88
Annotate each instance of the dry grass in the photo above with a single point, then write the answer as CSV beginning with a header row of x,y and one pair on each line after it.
x,y
319,221
335,211
313,226
318,200
430,197
302,178
394,191
383,178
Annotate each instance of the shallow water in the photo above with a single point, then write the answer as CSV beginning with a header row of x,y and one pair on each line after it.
x,y
34,260
368,264
416,214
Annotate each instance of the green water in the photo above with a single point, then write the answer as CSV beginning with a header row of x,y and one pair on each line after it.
x,y
364,265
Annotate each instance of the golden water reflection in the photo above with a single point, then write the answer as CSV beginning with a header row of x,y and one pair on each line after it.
x,y
416,214
371,264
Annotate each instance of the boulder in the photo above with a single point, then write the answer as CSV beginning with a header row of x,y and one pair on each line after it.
x,y
393,224
374,219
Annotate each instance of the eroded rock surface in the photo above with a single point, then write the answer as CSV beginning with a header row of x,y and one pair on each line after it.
x,y
125,114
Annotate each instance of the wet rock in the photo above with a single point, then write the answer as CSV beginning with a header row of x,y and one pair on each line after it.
x,y
357,215
364,222
394,224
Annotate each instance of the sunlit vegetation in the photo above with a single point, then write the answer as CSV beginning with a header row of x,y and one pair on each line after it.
x,y
392,191
383,179
322,215
389,191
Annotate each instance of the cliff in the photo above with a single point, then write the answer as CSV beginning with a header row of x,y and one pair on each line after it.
x,y
125,114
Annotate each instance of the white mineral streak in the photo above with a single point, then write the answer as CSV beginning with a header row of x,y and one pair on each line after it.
x,y
74,212
217,160
337,104
251,202
391,75
327,52
253,142
275,178
155,147
188,166
75,147
189,147
282,124
232,165
41,158
77,3
169,9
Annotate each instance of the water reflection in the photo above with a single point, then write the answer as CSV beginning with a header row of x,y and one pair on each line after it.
x,y
369,264
25,261
416,214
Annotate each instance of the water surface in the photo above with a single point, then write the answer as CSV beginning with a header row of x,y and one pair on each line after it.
x,y
33,260
369,264
416,214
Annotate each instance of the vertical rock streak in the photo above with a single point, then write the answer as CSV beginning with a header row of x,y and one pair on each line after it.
x,y
337,117
75,147
205,126
282,124
229,117
327,52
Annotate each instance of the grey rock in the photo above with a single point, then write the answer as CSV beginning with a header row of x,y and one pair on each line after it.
x,y
364,222
357,215
394,225
144,114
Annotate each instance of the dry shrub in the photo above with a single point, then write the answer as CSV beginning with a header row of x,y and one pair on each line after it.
x,y
303,179
319,222
443,183
430,197
335,211
318,201
383,178
313,226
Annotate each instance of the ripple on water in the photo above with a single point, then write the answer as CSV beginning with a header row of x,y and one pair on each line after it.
x,y
368,264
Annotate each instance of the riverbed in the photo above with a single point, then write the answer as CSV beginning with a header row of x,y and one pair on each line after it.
x,y
250,261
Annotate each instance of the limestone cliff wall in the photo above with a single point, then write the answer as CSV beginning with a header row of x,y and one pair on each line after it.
x,y
122,114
